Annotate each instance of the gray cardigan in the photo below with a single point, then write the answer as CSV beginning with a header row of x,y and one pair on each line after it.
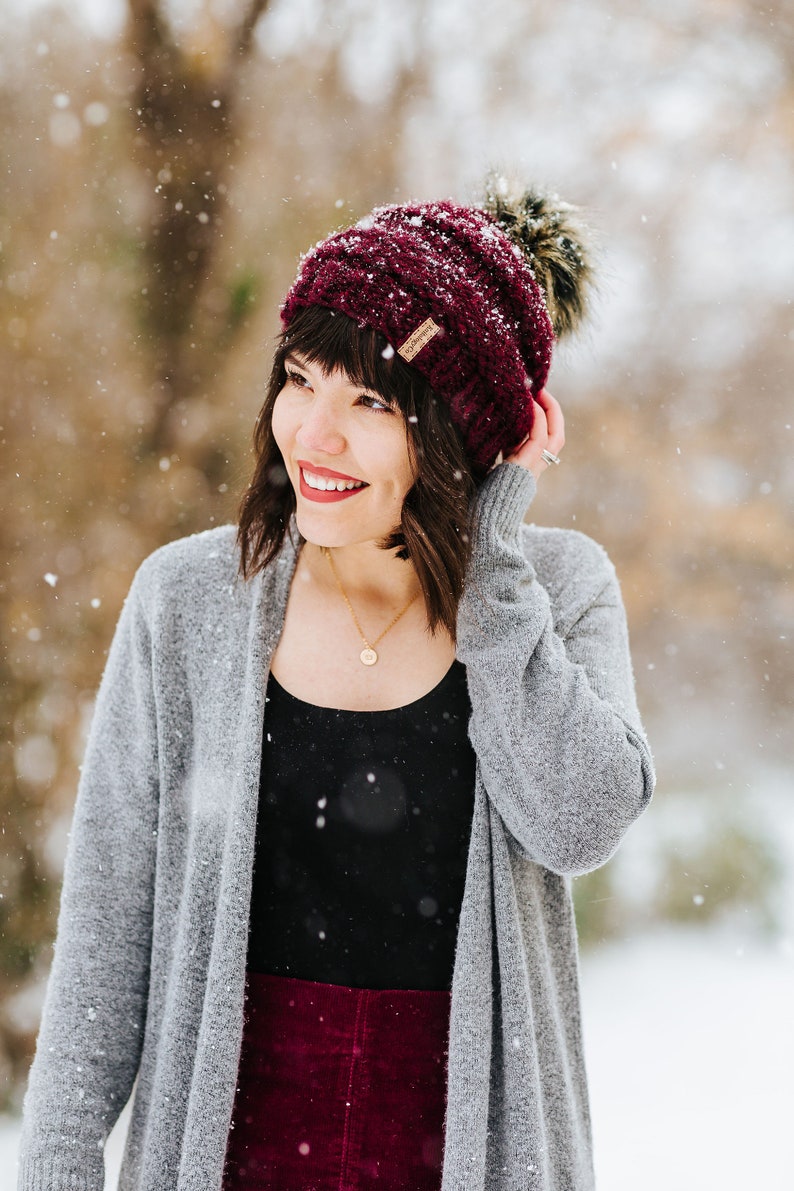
x,y
149,967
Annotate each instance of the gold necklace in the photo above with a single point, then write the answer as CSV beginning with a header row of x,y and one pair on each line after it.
x,y
368,656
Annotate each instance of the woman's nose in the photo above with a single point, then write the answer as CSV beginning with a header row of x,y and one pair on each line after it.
x,y
320,430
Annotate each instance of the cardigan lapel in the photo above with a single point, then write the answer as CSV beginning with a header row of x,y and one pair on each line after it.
x,y
220,1032
268,607
470,1030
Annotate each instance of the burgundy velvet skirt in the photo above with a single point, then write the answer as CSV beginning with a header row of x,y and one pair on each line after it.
x,y
339,1089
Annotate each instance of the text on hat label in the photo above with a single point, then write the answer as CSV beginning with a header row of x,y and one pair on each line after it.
x,y
420,337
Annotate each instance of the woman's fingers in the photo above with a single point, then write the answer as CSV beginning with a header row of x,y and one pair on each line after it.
x,y
554,421
547,434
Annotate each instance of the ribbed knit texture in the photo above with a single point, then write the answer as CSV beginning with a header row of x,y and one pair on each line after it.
x,y
149,966
454,264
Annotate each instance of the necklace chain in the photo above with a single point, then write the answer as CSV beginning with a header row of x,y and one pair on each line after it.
x,y
368,656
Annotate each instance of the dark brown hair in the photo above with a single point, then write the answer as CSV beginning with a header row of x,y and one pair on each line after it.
x,y
434,529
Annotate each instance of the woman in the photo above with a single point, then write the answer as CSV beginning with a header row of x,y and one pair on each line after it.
x,y
376,852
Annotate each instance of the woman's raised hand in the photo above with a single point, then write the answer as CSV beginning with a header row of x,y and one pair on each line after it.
x,y
547,434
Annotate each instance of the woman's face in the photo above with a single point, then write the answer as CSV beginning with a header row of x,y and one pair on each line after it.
x,y
346,453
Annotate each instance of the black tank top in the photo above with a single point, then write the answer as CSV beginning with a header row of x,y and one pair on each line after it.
x,y
362,839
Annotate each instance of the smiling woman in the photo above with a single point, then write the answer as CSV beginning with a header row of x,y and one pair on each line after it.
x,y
317,895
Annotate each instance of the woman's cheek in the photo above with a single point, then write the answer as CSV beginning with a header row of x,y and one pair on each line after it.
x,y
280,425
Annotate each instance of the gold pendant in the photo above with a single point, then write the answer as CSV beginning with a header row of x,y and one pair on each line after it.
x,y
368,656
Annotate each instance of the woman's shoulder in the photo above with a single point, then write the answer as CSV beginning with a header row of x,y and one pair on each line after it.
x,y
192,575
564,550
207,557
191,594
573,568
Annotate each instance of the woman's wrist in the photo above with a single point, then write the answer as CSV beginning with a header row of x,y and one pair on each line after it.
x,y
502,501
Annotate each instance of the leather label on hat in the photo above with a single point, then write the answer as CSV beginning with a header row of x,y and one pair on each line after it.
x,y
417,341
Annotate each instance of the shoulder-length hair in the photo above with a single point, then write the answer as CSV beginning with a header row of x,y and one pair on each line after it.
x,y
434,530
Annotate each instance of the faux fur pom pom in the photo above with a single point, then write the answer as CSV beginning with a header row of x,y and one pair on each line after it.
x,y
548,233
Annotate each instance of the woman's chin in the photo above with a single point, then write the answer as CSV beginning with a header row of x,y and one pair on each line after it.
x,y
321,527
318,532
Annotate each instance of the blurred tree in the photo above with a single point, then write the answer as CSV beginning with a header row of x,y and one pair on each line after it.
x,y
186,106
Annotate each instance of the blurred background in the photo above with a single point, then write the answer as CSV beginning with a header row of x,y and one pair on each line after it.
x,y
163,165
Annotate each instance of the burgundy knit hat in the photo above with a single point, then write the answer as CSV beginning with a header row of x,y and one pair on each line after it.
x,y
457,292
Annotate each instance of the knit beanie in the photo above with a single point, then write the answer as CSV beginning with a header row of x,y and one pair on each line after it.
x,y
472,297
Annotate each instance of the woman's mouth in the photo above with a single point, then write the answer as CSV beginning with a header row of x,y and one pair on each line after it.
x,y
322,485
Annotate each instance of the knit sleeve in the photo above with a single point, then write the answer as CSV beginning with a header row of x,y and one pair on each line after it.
x,y
95,1008
554,719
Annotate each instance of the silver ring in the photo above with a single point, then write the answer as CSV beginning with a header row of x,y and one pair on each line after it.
x,y
547,457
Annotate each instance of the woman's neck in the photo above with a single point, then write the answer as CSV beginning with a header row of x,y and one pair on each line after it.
x,y
368,575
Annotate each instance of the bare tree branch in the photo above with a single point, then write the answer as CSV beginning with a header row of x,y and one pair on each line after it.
x,y
245,32
147,31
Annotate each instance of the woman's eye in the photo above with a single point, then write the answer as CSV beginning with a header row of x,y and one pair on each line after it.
x,y
377,403
297,378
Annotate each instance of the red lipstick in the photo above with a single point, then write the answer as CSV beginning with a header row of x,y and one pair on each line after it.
x,y
316,494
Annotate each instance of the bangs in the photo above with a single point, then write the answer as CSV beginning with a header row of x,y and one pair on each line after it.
x,y
333,341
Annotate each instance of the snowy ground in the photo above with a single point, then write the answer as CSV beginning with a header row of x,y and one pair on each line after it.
x,y
690,1039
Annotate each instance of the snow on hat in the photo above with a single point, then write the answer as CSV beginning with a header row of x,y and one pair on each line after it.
x,y
472,297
